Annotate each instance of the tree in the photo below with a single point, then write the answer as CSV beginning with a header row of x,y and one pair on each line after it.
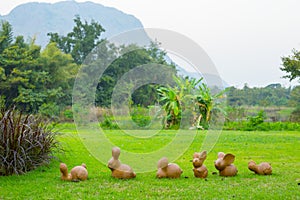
x,y
291,65
60,71
295,102
295,97
6,35
30,78
80,42
19,61
131,57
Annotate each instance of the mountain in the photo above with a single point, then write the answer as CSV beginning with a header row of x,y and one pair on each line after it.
x,y
37,19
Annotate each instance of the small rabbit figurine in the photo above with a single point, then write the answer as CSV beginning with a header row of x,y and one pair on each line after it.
x,y
118,169
167,170
263,168
78,173
224,164
200,170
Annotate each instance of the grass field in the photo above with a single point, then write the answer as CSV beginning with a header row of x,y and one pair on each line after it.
x,y
282,149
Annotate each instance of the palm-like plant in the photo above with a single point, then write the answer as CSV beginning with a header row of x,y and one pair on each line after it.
x,y
207,103
177,99
187,101
171,104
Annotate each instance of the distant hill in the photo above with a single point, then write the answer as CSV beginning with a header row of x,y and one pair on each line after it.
x,y
38,19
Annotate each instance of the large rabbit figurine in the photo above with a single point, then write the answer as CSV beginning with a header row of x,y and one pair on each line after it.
x,y
200,170
224,164
78,173
118,169
263,168
167,170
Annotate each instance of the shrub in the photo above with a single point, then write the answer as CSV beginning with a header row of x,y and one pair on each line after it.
x,y
25,142
140,116
50,110
108,123
265,126
295,115
68,115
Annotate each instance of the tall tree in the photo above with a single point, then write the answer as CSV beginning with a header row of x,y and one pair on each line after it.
x,y
60,71
80,42
132,57
291,65
6,35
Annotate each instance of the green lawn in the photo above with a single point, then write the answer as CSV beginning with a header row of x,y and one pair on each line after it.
x,y
282,149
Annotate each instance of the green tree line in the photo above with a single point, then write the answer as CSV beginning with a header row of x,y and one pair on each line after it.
x,y
41,80
271,95
38,80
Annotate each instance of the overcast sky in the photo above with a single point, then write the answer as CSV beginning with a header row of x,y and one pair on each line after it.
x,y
244,38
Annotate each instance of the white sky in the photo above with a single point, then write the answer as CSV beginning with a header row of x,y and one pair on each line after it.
x,y
244,38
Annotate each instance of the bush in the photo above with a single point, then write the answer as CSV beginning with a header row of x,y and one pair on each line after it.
x,y
109,123
295,115
50,110
265,126
26,143
140,116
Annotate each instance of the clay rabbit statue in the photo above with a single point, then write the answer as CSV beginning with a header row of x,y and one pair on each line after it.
x,y
200,171
263,168
78,173
224,164
167,170
118,169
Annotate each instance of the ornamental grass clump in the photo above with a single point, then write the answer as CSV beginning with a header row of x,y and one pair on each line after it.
x,y
26,142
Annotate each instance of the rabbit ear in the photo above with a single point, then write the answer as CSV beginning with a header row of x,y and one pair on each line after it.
x,y
229,159
203,155
221,155
163,162
116,152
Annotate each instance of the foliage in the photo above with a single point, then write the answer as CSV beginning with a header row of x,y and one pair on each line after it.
x,y
80,42
50,110
29,77
177,99
291,65
207,104
265,126
109,123
132,57
256,120
295,115
271,95
26,143
60,73
295,97
140,116
189,101
68,114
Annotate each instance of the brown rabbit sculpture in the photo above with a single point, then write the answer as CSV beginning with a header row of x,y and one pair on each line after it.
x,y
224,164
118,169
200,170
263,168
167,170
78,173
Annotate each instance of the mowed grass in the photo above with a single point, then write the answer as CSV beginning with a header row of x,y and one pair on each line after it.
x,y
282,149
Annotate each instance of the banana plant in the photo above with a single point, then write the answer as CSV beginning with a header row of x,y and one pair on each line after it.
x,y
177,99
207,103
